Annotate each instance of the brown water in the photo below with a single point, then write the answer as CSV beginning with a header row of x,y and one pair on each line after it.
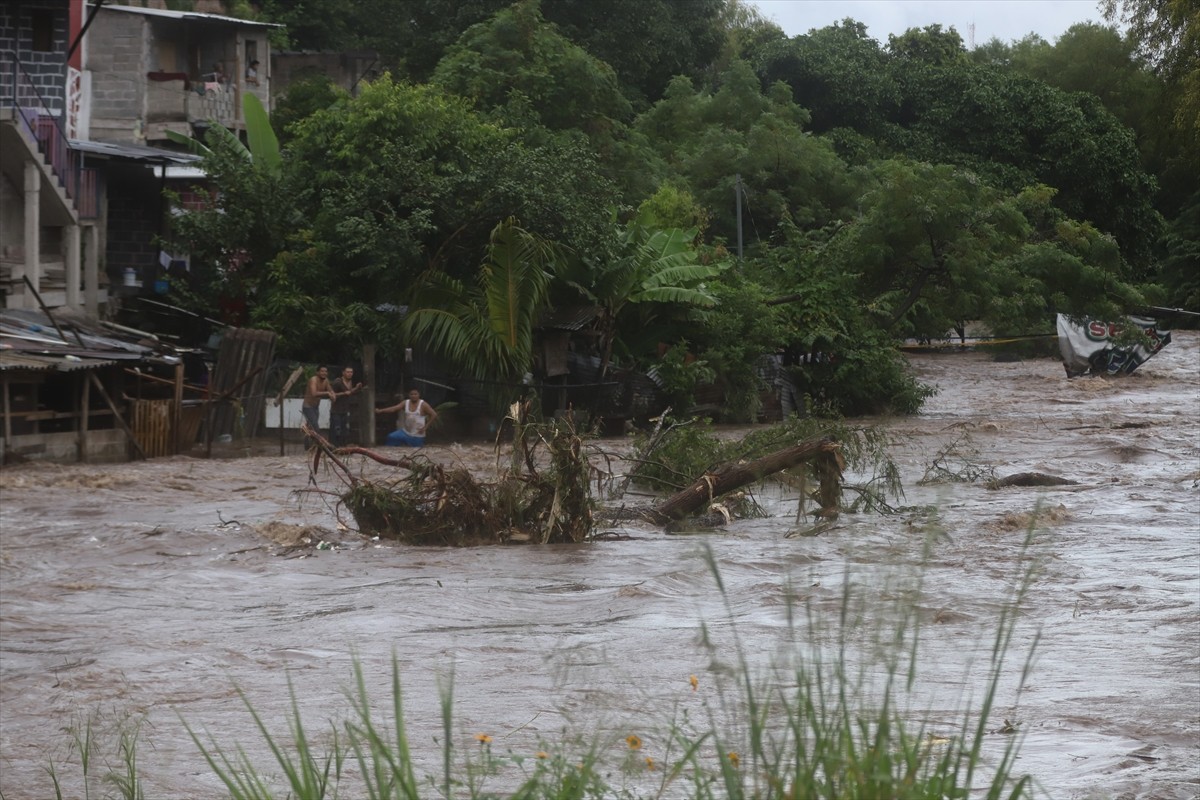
x,y
150,590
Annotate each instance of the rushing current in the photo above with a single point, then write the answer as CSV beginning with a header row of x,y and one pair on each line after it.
x,y
151,593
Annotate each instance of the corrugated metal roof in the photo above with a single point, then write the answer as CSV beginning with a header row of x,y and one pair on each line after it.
x,y
189,15
10,360
133,151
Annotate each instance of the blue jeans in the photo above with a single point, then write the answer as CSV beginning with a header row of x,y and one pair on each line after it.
x,y
402,438
312,415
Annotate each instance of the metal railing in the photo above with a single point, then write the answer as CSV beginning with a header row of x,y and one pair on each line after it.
x,y
45,130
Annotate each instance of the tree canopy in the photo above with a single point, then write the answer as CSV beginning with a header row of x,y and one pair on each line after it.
x,y
524,155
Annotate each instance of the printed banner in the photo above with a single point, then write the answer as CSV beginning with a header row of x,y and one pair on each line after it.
x,y
1087,347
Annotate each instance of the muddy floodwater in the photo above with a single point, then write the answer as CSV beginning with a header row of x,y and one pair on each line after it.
x,y
149,591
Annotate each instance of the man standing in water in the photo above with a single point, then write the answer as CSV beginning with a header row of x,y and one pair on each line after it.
x,y
316,388
415,417
344,389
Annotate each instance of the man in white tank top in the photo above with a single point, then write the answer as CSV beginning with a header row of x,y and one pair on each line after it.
x,y
415,417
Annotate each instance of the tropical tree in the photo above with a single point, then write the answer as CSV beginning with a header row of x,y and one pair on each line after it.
x,y
651,274
842,358
935,246
486,327
1180,268
928,45
1014,132
1168,33
838,73
517,53
242,221
707,138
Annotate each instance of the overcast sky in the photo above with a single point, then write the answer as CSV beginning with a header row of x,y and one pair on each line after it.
x,y
1006,20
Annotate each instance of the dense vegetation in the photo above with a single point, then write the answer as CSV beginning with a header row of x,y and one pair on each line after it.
x,y
716,189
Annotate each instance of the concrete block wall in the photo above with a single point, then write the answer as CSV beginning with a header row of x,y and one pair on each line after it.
x,y
47,70
133,225
118,76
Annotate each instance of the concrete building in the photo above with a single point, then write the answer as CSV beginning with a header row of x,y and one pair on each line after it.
x,y
88,94
49,203
87,97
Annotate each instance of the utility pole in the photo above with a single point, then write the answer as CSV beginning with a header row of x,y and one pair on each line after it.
x,y
737,190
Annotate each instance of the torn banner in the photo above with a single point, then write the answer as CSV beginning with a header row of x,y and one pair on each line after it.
x,y
1087,346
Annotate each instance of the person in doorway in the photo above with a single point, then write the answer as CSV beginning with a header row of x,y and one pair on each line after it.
x,y
344,389
252,73
415,418
315,390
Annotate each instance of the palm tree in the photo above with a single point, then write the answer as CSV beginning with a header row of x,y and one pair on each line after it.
x,y
651,266
487,330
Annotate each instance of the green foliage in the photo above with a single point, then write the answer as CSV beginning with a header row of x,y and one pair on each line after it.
x,y
673,207
708,138
649,274
488,330
260,138
978,191
922,103
930,45
678,373
305,96
234,235
1014,131
670,461
517,53
1181,268
677,454
865,374
840,73
733,338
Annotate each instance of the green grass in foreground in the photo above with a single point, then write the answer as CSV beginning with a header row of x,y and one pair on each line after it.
x,y
831,720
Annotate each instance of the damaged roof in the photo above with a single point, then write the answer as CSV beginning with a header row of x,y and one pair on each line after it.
x,y
30,341
189,15
134,152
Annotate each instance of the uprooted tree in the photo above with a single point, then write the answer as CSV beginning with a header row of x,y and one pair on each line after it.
x,y
546,494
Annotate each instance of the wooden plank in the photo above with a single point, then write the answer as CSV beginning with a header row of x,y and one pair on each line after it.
x,y
7,417
84,418
177,410
116,413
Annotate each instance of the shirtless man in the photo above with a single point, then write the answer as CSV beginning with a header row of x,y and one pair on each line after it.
x,y
317,388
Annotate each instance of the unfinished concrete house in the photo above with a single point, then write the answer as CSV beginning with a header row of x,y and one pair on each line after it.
x,y
49,201
87,93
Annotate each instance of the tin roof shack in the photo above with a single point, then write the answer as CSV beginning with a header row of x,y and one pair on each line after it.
x,y
65,388
153,70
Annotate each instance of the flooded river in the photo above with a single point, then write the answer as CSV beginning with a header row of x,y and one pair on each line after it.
x,y
149,591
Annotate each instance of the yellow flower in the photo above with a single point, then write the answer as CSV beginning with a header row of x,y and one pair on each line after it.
x,y
541,754
483,738
733,759
694,681
649,763
633,741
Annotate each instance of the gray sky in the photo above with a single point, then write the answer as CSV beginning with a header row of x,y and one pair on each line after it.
x,y
1006,20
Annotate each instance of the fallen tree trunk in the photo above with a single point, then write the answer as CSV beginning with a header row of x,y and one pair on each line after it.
x,y
729,477
1030,479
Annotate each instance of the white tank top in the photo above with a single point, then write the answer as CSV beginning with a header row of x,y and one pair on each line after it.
x,y
413,420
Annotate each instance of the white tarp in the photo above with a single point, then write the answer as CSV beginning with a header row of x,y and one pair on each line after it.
x,y
1087,345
